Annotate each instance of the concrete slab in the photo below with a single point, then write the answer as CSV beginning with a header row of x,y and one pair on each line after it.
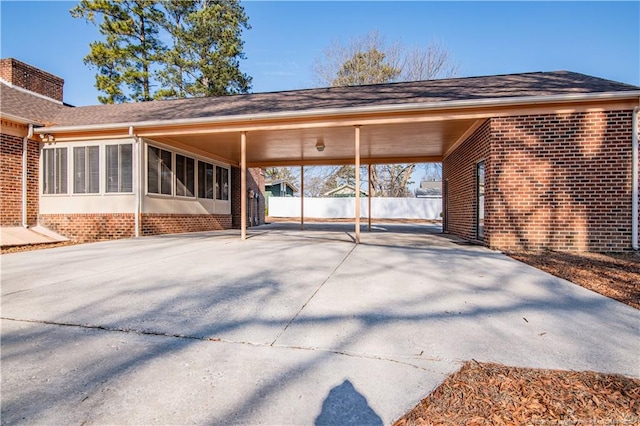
x,y
65,375
288,327
20,236
452,302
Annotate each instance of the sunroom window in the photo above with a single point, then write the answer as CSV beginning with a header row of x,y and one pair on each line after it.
x,y
119,164
54,171
86,169
205,180
159,171
222,183
185,176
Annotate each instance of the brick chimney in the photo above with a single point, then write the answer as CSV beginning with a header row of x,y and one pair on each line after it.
x,y
31,78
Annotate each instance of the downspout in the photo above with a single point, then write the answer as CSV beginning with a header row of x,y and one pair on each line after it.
x,y
136,181
634,179
25,165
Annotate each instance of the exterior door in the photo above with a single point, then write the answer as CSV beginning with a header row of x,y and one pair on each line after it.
x,y
445,207
480,200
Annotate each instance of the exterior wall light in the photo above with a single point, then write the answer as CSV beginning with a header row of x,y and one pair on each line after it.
x,y
320,146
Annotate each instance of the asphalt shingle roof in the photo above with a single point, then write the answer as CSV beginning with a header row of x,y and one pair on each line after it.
x,y
430,91
27,106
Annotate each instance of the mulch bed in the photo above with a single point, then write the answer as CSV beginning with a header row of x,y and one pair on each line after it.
x,y
493,394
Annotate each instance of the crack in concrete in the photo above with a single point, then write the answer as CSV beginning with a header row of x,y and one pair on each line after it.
x,y
234,342
313,295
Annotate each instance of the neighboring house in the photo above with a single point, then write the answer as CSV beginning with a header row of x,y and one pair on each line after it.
x,y
544,160
429,189
279,188
344,191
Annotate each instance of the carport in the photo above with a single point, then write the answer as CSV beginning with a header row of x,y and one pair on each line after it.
x,y
380,124
338,138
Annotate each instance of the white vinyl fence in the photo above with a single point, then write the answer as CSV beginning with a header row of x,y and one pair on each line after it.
x,y
337,208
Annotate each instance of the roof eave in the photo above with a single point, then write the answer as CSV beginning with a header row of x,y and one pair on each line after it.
x,y
18,119
314,113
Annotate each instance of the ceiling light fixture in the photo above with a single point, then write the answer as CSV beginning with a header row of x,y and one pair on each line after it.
x,y
320,146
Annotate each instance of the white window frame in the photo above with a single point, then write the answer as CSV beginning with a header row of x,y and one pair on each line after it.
x,y
213,180
86,171
56,171
120,179
172,171
216,184
176,177
197,158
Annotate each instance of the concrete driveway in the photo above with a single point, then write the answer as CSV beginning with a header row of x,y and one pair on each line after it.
x,y
288,327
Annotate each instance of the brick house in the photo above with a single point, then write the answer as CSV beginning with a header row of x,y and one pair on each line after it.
x,y
87,191
534,160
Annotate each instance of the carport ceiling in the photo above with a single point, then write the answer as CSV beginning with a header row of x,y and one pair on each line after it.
x,y
379,143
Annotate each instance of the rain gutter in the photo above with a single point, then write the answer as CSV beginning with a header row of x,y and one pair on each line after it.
x,y
25,164
136,180
18,119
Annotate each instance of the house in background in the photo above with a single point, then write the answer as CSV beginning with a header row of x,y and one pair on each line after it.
x,y
279,188
429,189
344,191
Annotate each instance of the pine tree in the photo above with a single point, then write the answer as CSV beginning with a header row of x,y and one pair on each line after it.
x,y
207,48
131,49
202,59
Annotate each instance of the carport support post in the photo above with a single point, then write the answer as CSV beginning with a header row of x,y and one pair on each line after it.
x,y
243,185
369,196
357,167
302,198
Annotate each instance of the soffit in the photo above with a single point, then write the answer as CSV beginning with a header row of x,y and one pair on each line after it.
x,y
381,143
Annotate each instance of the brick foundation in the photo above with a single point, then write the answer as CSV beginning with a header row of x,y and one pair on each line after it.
x,y
90,227
158,223
11,181
96,227
554,181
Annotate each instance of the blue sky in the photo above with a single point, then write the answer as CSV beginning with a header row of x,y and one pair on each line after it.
x,y
597,38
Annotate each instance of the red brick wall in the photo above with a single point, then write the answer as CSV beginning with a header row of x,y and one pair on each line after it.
x,y
85,227
554,181
31,78
459,168
255,182
11,181
159,223
563,182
